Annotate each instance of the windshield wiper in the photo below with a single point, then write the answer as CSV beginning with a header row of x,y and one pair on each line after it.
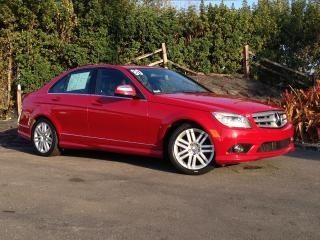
x,y
192,91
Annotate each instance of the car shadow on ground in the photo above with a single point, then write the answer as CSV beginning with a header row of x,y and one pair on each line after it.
x,y
9,139
305,154
139,161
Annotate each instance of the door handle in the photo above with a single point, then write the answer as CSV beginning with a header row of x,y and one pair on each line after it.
x,y
97,102
55,99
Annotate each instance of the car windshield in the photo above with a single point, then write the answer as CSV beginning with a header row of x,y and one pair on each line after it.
x,y
164,81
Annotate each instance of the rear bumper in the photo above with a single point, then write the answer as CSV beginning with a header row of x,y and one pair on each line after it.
x,y
256,137
24,131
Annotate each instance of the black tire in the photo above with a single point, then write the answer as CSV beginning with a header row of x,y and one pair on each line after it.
x,y
175,162
54,148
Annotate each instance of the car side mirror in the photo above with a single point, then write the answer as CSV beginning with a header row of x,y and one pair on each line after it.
x,y
126,91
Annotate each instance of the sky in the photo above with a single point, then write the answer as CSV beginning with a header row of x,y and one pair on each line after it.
x,y
187,3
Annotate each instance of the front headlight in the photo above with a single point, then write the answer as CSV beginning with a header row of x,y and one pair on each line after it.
x,y
232,120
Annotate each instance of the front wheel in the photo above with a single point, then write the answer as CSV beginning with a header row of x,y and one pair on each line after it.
x,y
190,150
44,138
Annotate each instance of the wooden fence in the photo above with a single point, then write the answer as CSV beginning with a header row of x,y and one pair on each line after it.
x,y
265,63
19,100
164,61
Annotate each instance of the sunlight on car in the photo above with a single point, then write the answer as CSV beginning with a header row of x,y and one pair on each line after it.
x,y
153,112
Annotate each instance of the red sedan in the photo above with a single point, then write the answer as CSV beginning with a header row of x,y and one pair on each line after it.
x,y
151,111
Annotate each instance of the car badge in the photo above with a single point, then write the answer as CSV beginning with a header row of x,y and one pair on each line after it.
x,y
278,119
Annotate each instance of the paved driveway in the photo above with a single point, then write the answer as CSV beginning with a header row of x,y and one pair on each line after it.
x,y
94,195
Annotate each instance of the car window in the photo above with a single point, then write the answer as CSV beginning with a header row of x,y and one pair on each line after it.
x,y
164,81
108,79
76,82
59,87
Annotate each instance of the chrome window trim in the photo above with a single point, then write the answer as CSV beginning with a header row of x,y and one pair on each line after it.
x,y
68,76
97,95
97,69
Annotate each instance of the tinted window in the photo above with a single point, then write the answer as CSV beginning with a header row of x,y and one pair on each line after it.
x,y
59,87
108,80
166,81
76,82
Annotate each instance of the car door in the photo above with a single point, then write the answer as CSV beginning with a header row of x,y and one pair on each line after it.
x,y
69,100
115,120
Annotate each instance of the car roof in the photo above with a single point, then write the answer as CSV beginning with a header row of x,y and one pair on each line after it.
x,y
126,66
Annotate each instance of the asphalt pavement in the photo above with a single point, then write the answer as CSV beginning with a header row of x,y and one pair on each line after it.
x,y
97,195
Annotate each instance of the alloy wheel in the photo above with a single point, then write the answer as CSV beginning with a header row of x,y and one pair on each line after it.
x,y
193,149
43,137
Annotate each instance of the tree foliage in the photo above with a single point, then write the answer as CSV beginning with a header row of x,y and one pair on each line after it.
x,y
41,38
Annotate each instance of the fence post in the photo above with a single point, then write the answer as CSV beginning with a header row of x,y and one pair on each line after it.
x,y
246,61
19,102
164,55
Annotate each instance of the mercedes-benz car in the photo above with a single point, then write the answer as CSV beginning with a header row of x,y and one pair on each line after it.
x,y
153,112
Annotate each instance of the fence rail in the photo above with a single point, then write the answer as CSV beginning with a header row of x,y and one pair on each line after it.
x,y
164,61
247,54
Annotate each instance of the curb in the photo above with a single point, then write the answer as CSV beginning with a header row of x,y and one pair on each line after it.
x,y
308,146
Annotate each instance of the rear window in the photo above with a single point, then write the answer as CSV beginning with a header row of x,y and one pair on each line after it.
x,y
76,82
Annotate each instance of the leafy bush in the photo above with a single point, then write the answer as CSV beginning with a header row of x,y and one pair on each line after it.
x,y
303,110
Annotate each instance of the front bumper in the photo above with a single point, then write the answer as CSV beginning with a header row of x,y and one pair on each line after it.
x,y
227,138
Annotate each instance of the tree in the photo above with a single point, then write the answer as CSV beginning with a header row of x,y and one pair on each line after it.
x,y
39,39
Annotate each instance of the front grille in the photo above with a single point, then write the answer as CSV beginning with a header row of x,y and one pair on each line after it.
x,y
270,119
273,146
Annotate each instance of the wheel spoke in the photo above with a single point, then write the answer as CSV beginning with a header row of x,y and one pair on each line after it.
x,y
190,161
206,146
40,146
201,160
184,155
43,137
38,130
49,140
182,152
46,146
43,148
207,151
189,136
194,161
181,140
200,136
181,145
193,149
203,157
42,128
192,134
203,138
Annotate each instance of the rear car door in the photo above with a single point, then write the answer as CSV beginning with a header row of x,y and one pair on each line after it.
x,y
69,99
115,120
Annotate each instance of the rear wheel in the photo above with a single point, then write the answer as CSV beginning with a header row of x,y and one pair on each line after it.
x,y
44,138
190,150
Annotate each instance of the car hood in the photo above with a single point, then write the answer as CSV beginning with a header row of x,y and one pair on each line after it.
x,y
214,102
